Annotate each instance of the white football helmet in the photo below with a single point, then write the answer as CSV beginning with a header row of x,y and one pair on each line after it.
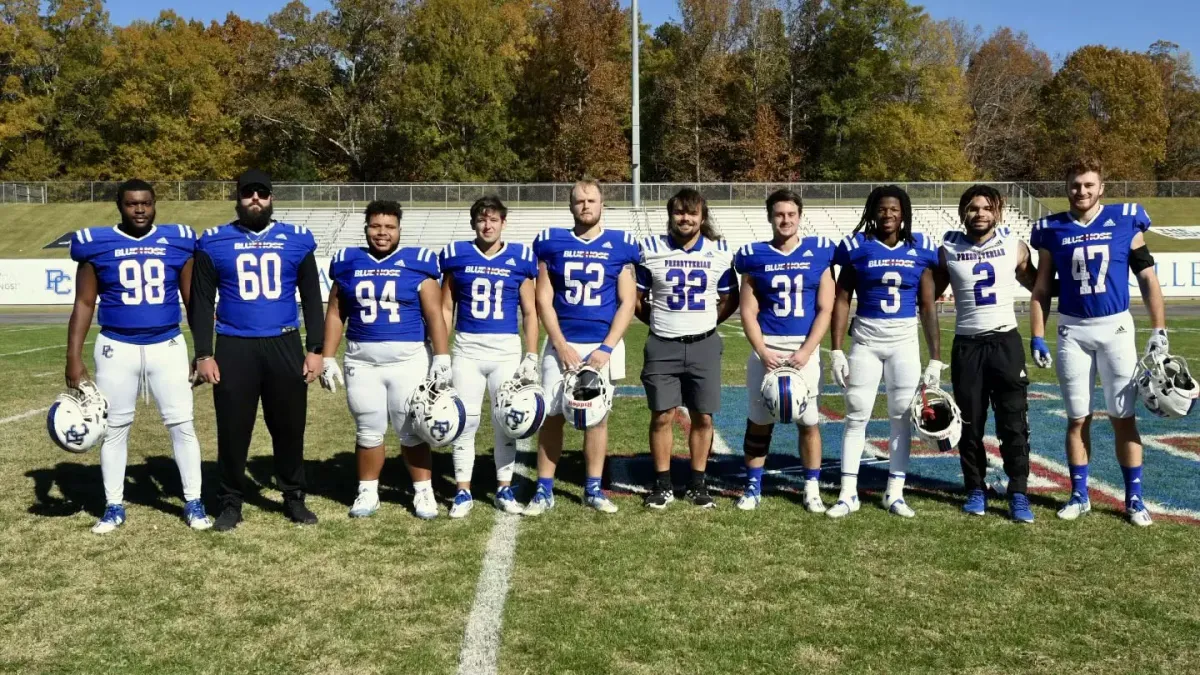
x,y
1166,386
786,394
936,417
587,397
437,413
519,408
78,419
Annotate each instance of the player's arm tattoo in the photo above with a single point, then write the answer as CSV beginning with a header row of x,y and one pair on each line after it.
x,y
929,315
841,305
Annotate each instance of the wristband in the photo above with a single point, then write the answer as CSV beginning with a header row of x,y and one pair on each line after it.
x,y
604,348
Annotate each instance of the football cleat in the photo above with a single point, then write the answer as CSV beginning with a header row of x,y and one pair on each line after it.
x,y
541,503
587,397
898,507
194,515
425,505
844,508
1166,387
1076,506
976,504
298,512
463,503
437,413
78,418
751,497
114,517
519,408
1018,508
506,501
365,504
228,519
785,394
699,497
1137,513
936,417
659,498
600,502
813,503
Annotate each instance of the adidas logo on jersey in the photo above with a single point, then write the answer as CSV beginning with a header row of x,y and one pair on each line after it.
x,y
1109,223
607,244
912,251
281,236
400,263
807,254
510,262
161,240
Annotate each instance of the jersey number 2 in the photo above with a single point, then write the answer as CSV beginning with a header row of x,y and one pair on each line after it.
x,y
985,277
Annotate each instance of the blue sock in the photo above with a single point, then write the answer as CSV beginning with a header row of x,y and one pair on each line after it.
x,y
1079,479
754,479
812,474
591,486
546,485
1133,482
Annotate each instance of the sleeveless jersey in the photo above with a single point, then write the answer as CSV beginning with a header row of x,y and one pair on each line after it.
x,y
786,284
584,275
685,285
1092,259
137,279
983,278
380,297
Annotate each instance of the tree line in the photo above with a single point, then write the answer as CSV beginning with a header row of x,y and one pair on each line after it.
x,y
540,90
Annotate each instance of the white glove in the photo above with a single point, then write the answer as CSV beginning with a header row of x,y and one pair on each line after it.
x,y
1158,343
527,372
933,374
440,371
840,367
331,375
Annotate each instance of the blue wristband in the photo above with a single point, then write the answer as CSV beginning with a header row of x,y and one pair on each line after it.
x,y
604,348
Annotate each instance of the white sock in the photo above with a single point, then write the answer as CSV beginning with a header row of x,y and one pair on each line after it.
x,y
812,488
422,485
464,451
899,446
187,457
371,486
853,443
895,487
114,454
506,457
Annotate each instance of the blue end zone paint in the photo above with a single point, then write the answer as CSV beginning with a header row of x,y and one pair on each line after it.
x,y
1170,480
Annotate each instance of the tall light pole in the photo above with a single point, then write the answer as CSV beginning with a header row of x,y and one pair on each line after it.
x,y
636,149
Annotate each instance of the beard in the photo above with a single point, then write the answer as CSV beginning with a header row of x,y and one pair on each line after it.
x,y
129,226
254,221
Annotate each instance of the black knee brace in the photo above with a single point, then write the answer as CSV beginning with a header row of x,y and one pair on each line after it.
x,y
756,444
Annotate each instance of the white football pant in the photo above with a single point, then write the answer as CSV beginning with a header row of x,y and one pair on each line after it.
x,y
552,371
1102,345
756,371
899,364
379,392
163,370
471,378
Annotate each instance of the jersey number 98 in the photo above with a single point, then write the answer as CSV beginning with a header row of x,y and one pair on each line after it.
x,y
143,282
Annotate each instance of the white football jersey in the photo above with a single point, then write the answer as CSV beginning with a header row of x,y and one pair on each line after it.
x,y
685,285
984,278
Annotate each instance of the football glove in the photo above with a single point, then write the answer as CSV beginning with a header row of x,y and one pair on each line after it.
x,y
933,373
527,372
1040,351
440,371
331,375
840,367
1158,343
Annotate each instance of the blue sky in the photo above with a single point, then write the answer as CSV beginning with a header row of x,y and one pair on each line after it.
x,y
1055,26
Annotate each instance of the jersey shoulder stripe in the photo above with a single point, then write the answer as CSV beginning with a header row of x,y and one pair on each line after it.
x,y
722,245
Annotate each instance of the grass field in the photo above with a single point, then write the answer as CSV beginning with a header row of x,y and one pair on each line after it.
x,y
723,591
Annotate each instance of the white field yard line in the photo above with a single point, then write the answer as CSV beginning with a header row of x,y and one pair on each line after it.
x,y
40,349
480,648
1112,491
21,416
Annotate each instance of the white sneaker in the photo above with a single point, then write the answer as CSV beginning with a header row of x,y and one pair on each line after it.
x,y
600,503
813,503
897,507
1076,506
1138,514
365,504
425,505
844,508
749,501
463,503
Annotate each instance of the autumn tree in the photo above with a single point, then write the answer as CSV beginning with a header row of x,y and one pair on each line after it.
x,y
1181,92
1004,81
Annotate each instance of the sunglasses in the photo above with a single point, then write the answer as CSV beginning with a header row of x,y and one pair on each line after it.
x,y
249,191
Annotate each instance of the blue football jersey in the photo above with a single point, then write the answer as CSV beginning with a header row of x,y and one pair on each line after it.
x,y
257,274
887,278
487,289
380,297
137,279
584,275
786,284
1092,260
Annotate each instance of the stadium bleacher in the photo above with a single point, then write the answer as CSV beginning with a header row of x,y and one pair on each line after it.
x,y
434,228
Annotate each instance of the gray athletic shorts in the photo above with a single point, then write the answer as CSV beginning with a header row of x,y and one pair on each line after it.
x,y
675,374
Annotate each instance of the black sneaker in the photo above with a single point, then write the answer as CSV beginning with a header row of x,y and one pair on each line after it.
x,y
297,512
229,519
699,497
659,497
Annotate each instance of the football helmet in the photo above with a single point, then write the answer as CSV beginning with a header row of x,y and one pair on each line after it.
x,y
437,413
786,394
519,408
78,418
1166,386
587,397
936,417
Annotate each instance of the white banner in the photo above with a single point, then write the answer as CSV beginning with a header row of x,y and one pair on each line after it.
x,y
1174,232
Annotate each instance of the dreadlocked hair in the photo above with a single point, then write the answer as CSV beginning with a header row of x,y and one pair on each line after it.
x,y
867,224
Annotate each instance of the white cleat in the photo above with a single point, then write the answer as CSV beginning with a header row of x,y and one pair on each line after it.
x,y
600,502
1076,506
898,507
463,503
507,502
365,504
749,501
844,508
425,505
814,504
1138,514
540,504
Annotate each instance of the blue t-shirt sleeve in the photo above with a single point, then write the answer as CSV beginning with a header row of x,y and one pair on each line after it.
x,y
1141,219
644,280
80,251
633,254
725,283
539,245
427,263
739,261
529,263
841,256
1035,238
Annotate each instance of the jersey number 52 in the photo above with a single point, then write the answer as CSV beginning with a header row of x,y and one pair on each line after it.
x,y
583,281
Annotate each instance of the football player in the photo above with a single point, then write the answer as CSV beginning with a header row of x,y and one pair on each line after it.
x,y
586,297
889,268
1093,248
787,302
983,266
688,275
488,281
139,271
389,302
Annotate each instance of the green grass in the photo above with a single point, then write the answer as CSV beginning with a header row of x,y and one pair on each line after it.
x,y
777,590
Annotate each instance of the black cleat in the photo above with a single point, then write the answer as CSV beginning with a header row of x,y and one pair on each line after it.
x,y
229,519
297,512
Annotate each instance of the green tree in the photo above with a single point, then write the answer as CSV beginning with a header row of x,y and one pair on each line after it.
x,y
1181,92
